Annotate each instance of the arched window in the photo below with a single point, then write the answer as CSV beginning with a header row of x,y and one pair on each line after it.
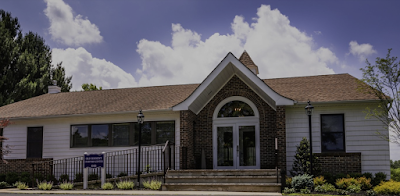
x,y
235,109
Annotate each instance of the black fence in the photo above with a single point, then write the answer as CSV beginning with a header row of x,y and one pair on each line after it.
x,y
157,158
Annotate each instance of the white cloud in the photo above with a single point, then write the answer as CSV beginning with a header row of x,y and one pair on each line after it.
x,y
361,50
279,49
67,29
317,32
87,69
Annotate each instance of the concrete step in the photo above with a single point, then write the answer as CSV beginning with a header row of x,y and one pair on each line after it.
x,y
243,187
221,179
223,172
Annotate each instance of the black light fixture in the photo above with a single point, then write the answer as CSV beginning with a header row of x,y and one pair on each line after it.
x,y
309,109
140,120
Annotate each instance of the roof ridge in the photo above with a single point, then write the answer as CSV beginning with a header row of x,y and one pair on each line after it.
x,y
309,76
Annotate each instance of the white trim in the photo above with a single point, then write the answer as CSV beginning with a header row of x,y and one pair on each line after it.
x,y
235,122
230,58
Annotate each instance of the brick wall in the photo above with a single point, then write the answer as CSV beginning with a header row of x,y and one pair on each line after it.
x,y
202,132
186,138
340,162
281,135
19,165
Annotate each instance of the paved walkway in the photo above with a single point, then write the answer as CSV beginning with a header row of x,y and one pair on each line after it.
x,y
132,192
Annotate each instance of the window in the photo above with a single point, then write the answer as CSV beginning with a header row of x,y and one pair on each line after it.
x,y
235,109
80,136
122,134
332,133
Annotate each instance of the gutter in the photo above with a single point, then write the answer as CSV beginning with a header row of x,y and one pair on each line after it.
x,y
337,102
90,114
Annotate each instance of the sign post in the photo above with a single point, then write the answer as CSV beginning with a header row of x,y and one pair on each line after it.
x,y
93,161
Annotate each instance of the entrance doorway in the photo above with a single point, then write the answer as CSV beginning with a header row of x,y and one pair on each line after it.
x,y
236,135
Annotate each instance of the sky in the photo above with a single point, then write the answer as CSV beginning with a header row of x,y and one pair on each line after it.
x,y
120,44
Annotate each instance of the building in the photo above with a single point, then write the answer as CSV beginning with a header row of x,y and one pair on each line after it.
x,y
232,120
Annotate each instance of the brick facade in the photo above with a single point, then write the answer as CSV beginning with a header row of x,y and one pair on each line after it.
x,y
20,165
345,163
272,124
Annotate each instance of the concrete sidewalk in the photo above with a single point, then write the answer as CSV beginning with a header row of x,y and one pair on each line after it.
x,y
130,192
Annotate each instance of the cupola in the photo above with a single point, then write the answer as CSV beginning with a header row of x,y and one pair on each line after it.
x,y
246,60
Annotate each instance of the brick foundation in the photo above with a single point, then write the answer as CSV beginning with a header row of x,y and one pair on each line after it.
x,y
340,162
196,130
19,165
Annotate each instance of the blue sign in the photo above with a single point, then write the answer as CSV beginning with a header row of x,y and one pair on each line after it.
x,y
93,160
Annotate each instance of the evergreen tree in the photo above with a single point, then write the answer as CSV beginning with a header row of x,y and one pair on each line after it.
x,y
301,164
25,63
90,87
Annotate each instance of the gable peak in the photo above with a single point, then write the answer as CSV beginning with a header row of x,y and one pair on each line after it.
x,y
248,62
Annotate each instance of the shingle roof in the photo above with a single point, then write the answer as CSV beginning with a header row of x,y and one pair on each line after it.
x,y
324,88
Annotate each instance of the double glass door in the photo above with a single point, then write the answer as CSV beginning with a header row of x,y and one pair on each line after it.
x,y
236,146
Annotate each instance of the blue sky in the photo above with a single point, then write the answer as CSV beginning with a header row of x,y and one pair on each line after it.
x,y
118,44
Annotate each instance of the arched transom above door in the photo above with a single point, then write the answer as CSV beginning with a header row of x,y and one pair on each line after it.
x,y
235,106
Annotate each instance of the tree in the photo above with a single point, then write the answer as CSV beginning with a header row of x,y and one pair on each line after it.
x,y
301,164
383,79
90,87
25,63
6,149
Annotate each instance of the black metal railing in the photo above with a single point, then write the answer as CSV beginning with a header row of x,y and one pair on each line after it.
x,y
156,158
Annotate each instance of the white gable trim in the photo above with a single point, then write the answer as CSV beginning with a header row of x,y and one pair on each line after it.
x,y
230,59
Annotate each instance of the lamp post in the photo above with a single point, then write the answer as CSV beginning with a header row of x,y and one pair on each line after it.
x,y
309,109
140,120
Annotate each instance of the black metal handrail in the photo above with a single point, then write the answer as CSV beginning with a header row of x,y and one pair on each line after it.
x,y
118,164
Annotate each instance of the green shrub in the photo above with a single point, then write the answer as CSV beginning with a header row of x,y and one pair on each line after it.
x,y
355,175
38,176
51,178
107,186
365,183
2,177
3,184
343,183
379,177
395,174
325,188
370,193
342,192
11,177
78,177
305,191
108,176
394,164
289,190
288,181
153,184
122,174
44,185
302,182
319,180
21,185
125,185
93,177
25,177
354,188
301,161
64,177
368,175
388,188
66,185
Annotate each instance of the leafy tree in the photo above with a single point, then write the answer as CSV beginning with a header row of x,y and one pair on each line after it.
x,y
90,87
25,63
6,149
384,82
301,164
394,164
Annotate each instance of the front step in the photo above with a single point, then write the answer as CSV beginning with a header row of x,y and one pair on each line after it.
x,y
252,180
236,187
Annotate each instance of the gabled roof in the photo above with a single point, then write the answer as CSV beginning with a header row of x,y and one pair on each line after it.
x,y
224,71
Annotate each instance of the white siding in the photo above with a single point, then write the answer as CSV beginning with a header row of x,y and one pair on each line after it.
x,y
56,133
360,134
